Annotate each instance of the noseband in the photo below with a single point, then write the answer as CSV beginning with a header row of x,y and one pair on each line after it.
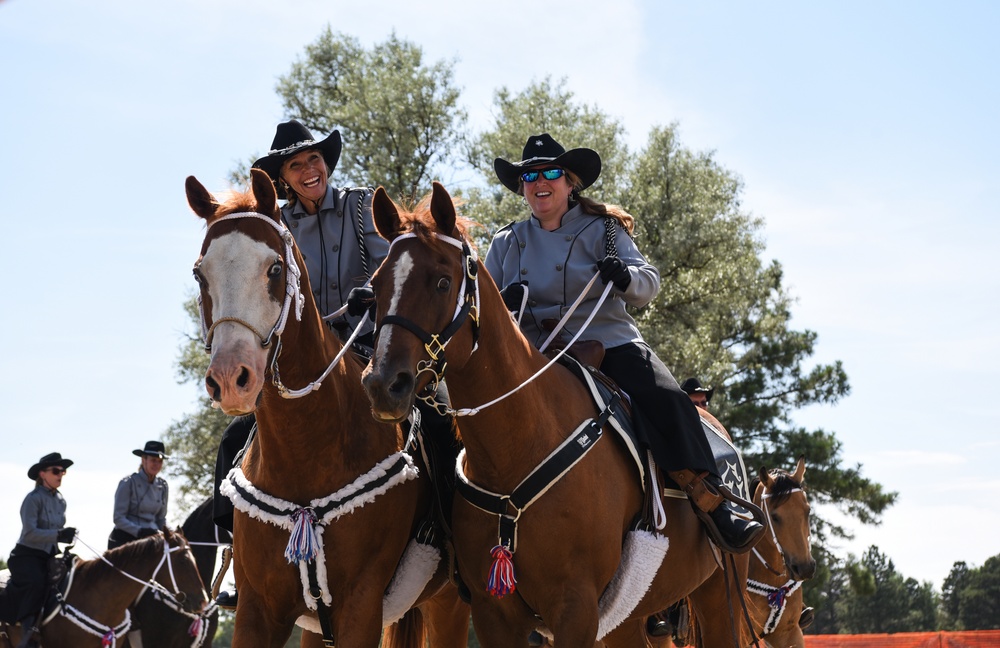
x,y
468,305
292,288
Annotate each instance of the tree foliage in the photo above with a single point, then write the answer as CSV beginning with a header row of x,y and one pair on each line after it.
x,y
971,596
880,600
399,117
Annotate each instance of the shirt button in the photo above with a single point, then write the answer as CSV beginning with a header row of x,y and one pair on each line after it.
x,y
333,284
559,267
295,224
521,245
336,248
524,271
569,238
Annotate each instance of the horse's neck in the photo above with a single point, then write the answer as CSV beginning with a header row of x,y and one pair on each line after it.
x,y
767,550
103,592
534,420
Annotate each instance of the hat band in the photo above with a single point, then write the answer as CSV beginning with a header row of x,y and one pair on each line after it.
x,y
294,146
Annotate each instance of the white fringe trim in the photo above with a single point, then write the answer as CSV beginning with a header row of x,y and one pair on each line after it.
x,y
357,500
642,556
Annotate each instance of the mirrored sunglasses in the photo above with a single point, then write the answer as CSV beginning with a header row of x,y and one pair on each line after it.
x,y
548,174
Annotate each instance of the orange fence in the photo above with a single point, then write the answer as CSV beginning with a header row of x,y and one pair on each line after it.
x,y
970,639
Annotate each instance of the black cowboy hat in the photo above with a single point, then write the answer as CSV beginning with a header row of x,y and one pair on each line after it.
x,y
49,460
153,448
692,385
542,150
292,137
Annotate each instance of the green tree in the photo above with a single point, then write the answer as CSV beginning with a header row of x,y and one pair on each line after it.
x,y
978,596
951,590
399,117
881,600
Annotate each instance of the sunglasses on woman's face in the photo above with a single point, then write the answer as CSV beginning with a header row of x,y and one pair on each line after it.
x,y
57,471
548,174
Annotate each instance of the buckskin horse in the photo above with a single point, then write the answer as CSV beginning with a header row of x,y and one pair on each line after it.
x,y
327,503
782,559
534,555
98,592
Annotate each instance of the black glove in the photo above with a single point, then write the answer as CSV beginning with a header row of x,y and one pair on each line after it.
x,y
616,271
66,536
513,295
359,300
145,533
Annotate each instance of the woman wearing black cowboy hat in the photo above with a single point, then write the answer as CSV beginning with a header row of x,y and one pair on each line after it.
x,y
141,498
553,254
334,230
43,525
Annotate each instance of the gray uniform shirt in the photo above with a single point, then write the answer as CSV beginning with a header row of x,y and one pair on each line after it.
x,y
140,504
43,513
329,243
557,265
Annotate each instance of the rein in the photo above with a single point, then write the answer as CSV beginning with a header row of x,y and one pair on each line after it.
x,y
434,345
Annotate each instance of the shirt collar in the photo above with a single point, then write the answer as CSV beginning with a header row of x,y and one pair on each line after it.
x,y
329,202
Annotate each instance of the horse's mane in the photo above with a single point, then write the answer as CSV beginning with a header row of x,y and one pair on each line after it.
x,y
137,549
233,202
784,484
421,223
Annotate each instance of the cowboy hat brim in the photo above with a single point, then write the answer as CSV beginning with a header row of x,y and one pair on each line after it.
x,y
583,162
42,465
271,163
147,453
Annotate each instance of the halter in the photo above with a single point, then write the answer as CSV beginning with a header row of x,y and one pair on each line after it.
x,y
774,536
292,287
468,305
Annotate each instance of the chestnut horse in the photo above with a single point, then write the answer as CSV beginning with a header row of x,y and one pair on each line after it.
x,y
562,548
100,591
327,502
162,622
782,559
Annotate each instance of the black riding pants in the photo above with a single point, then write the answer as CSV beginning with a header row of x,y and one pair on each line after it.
x,y
667,418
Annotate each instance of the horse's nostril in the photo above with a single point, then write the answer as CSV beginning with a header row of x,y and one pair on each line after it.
x,y
244,378
402,385
213,387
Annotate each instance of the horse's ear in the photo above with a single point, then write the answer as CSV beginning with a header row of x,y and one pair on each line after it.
x,y
201,202
800,469
385,215
765,477
443,209
263,192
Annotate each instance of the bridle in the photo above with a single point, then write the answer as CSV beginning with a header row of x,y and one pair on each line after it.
x,y
466,308
765,496
293,295
293,291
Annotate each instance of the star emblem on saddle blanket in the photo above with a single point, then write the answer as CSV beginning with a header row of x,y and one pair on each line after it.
x,y
538,142
733,479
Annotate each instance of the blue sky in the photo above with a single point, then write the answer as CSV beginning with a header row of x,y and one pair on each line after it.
x,y
865,136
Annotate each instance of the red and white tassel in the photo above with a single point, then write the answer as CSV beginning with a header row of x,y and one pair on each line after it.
x,y
502,581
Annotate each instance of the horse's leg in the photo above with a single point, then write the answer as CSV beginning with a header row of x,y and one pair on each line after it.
x,y
447,618
632,634
502,624
256,626
720,612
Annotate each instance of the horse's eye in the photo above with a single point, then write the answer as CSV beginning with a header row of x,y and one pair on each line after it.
x,y
198,276
274,270
776,519
444,283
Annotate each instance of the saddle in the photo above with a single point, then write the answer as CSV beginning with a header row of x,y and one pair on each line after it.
x,y
589,353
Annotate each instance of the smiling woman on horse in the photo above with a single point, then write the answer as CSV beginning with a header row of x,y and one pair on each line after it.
x,y
333,228
43,524
551,255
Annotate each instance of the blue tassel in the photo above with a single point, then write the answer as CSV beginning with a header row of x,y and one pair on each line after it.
x,y
302,544
776,599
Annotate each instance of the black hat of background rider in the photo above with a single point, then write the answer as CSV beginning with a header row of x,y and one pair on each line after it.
x,y
692,385
290,138
154,449
540,150
49,460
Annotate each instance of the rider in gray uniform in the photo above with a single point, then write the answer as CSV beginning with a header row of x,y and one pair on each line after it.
x,y
141,498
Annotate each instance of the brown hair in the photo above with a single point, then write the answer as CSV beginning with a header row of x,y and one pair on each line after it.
x,y
594,207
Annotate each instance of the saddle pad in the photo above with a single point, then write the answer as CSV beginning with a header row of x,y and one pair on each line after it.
x,y
727,459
